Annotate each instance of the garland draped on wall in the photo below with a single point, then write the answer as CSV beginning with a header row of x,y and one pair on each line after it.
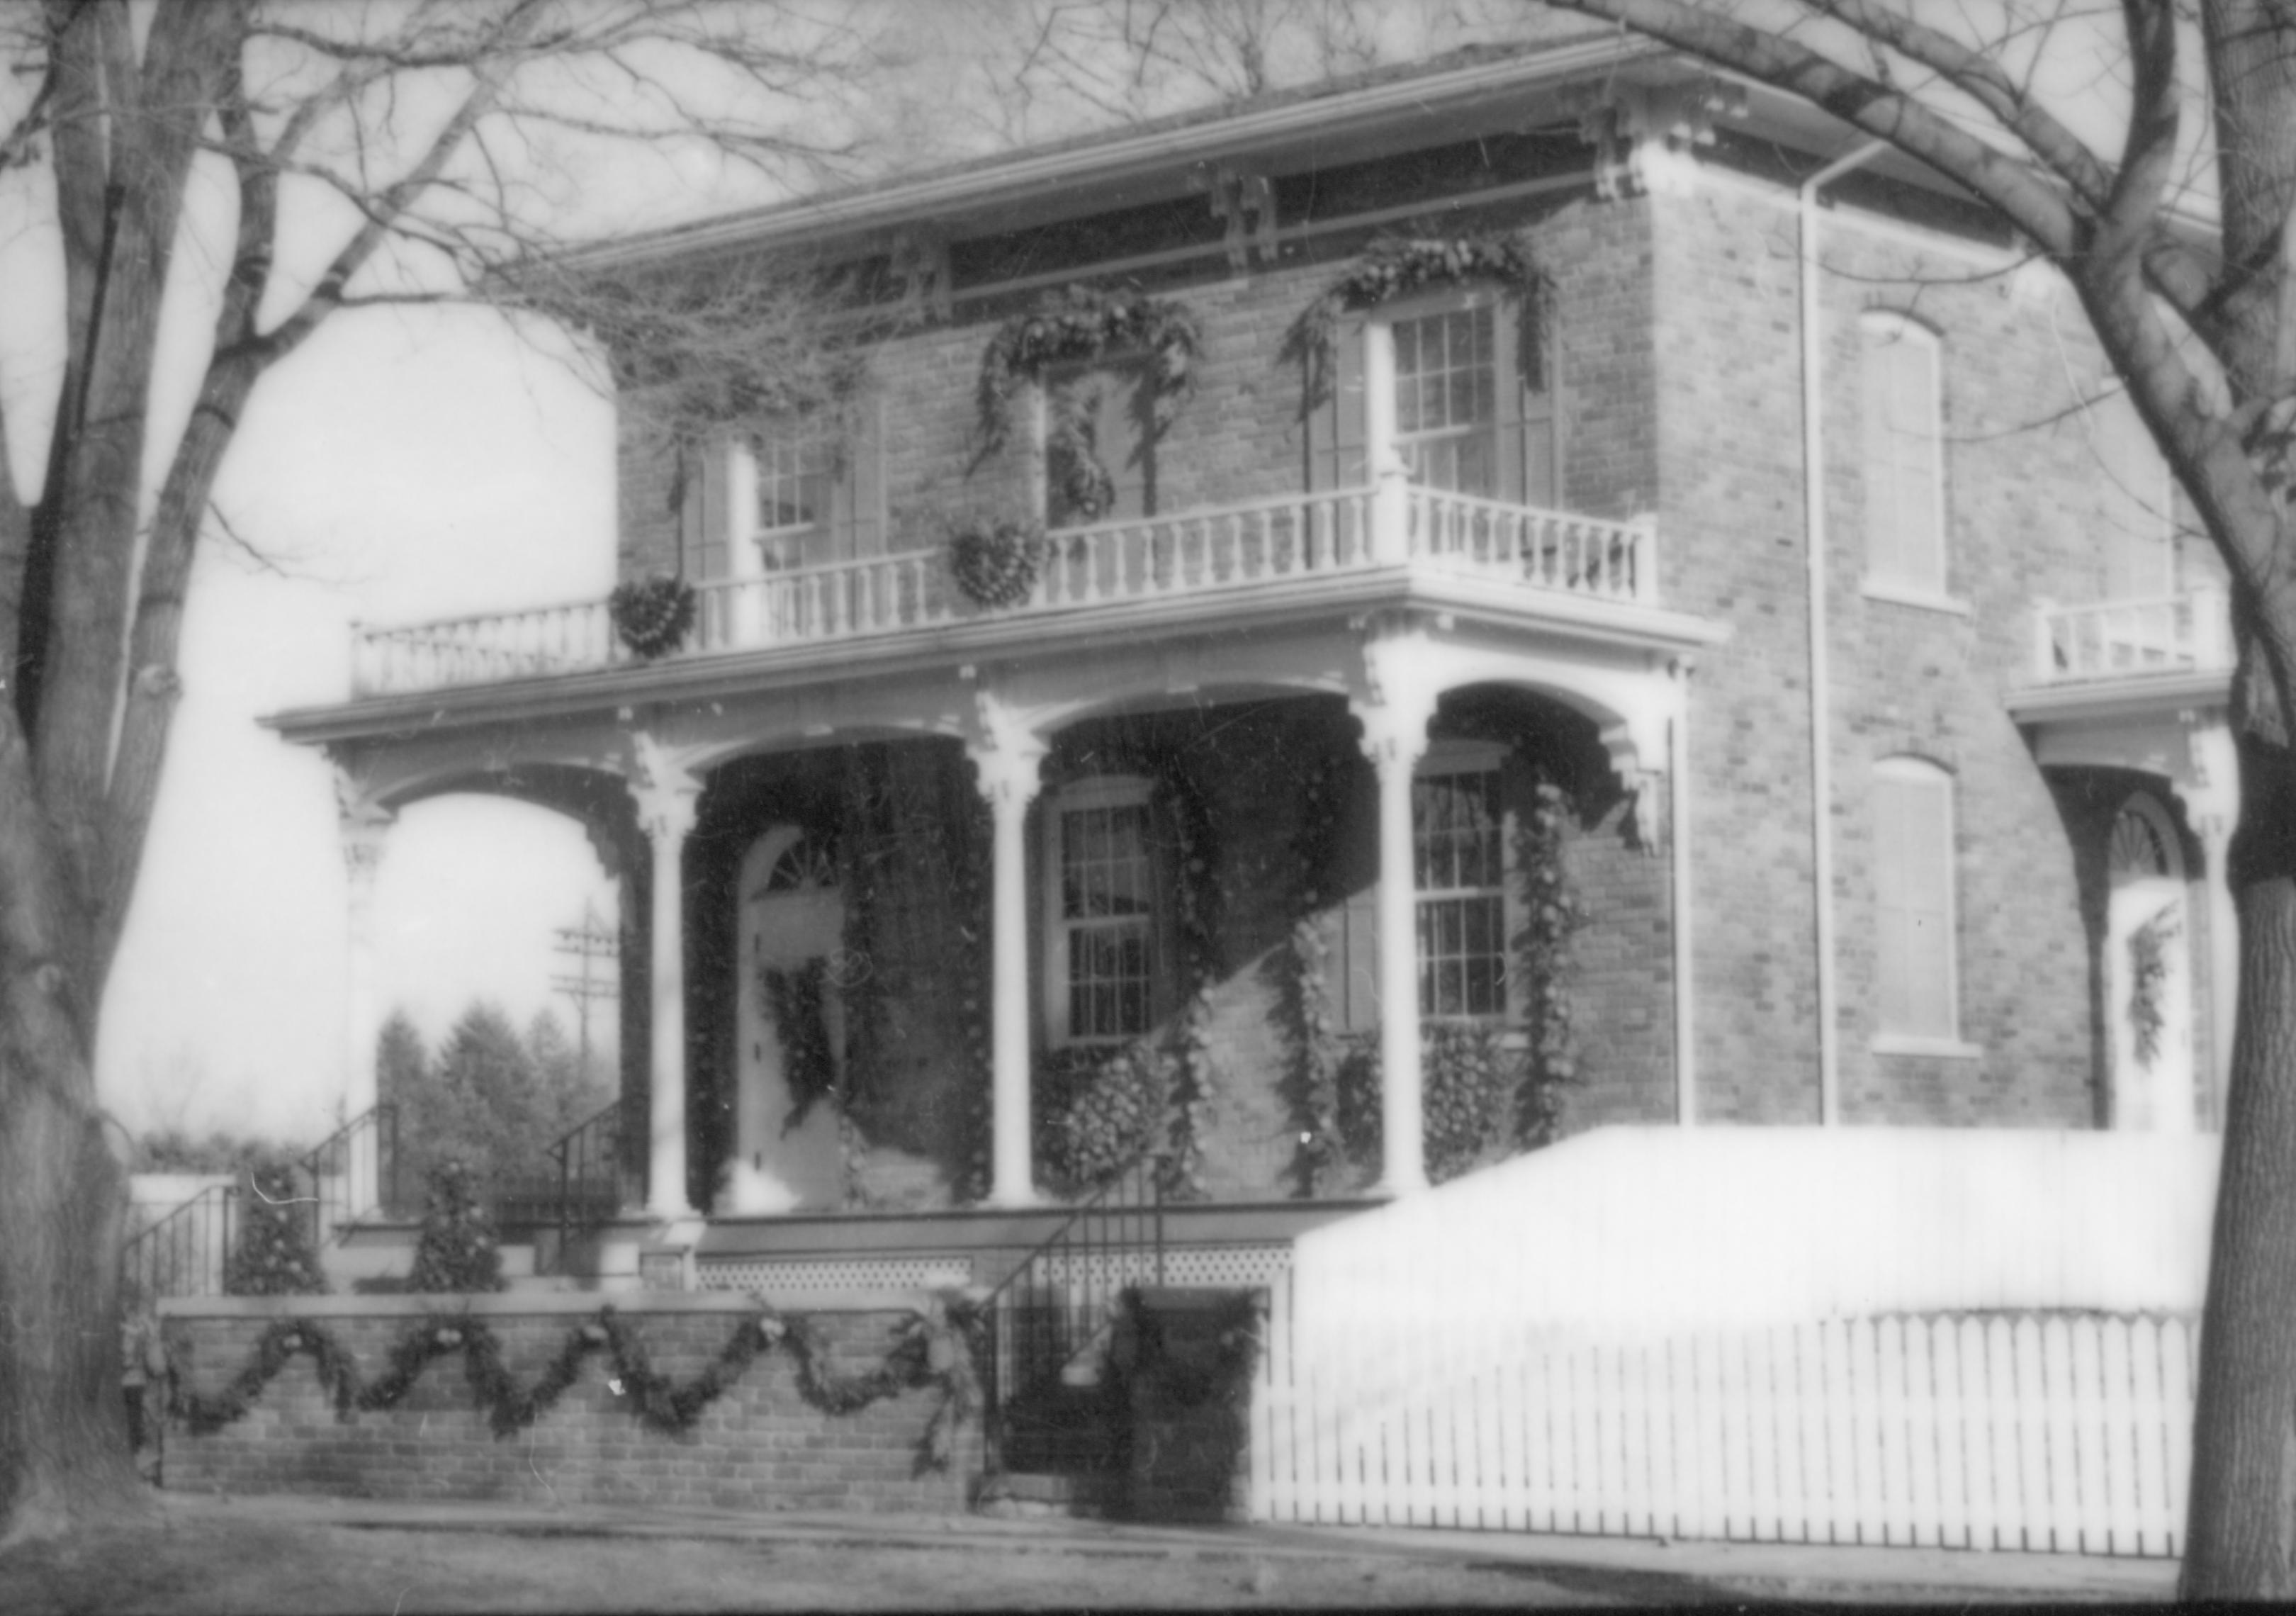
x,y
932,1350
1077,325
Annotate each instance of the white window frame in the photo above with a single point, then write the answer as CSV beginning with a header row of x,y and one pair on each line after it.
x,y
1877,331
1382,440
750,540
1905,773
1448,757
1099,792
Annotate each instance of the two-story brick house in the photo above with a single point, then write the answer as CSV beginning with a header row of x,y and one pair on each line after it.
x,y
1226,818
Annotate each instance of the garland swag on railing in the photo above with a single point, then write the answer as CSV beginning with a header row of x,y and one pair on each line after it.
x,y
1394,267
933,1349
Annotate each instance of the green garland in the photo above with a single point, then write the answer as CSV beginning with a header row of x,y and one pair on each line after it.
x,y
995,565
1096,1110
1079,325
651,615
934,1349
1544,961
2148,971
797,1001
1394,267
1303,1008
1188,1117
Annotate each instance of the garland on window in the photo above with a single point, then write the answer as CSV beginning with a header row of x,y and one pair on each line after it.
x,y
1479,1097
1082,487
2148,973
1395,266
933,1349
1079,325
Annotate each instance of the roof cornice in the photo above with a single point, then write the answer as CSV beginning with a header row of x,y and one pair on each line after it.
x,y
1158,149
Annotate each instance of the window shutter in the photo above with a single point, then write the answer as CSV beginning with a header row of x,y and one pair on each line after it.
x,y
1335,429
1905,521
859,513
1913,870
701,510
1525,422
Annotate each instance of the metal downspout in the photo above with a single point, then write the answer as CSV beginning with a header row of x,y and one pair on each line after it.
x,y
1821,699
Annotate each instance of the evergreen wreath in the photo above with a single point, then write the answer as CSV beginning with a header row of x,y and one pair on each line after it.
x,y
996,563
932,1349
1097,1109
651,615
1396,266
1079,325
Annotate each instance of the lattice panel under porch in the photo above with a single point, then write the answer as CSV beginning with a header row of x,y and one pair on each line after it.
x,y
1191,1265
781,1277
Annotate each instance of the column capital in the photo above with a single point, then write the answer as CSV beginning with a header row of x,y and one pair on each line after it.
x,y
1006,753
362,823
2210,787
664,788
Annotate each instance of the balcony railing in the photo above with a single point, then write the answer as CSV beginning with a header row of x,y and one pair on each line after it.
x,y
1254,543
2187,633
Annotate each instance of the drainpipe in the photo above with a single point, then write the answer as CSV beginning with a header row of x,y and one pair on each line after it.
x,y
1821,699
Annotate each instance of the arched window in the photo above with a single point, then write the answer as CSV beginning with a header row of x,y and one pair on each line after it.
x,y
1916,990
1100,912
1903,460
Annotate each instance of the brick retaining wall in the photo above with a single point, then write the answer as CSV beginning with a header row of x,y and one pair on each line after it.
x,y
760,1446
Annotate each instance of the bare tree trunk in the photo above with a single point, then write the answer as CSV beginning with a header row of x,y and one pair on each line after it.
x,y
63,1434
2242,1511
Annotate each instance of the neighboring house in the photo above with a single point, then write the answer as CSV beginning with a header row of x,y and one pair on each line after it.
x,y
1238,799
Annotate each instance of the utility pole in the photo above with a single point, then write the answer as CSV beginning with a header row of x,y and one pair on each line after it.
x,y
591,940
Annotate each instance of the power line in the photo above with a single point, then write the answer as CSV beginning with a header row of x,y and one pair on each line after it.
x,y
591,941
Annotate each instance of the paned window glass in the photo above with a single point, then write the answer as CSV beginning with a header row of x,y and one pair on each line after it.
x,y
1458,859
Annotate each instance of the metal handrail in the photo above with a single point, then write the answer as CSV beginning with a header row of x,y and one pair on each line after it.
x,y
579,1153
1058,1304
332,1169
183,1253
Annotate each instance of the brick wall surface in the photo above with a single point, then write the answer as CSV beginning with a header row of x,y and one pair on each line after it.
x,y
761,1445
1677,341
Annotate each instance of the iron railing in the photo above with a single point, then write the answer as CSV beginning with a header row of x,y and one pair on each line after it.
x,y
183,1253
594,1178
1051,1318
352,1172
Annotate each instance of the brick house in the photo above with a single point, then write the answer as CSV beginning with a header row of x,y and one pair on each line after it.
x,y
1214,820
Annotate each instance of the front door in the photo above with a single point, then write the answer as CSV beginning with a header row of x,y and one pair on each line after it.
x,y
790,1023
2148,973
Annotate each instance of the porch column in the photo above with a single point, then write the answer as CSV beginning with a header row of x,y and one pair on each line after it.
x,y
1007,761
1394,739
666,808
2212,806
363,825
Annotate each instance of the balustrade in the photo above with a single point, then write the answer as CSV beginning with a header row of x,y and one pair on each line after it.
x,y
2185,633
1251,544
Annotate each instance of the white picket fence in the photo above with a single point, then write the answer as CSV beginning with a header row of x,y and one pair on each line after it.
x,y
2063,1433
1979,1339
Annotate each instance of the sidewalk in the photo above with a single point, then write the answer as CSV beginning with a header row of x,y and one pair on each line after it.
x,y
1752,1570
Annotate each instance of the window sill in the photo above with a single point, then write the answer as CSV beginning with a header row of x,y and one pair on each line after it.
x,y
1901,1043
1910,595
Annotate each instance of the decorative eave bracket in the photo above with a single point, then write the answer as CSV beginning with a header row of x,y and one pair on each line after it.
x,y
1246,204
1644,135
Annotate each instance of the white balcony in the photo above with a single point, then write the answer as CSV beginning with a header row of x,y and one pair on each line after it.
x,y
2185,634
1264,545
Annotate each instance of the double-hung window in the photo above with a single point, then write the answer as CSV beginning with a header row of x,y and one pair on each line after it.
x,y
1458,856
786,492
1100,912
1099,444
1465,413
